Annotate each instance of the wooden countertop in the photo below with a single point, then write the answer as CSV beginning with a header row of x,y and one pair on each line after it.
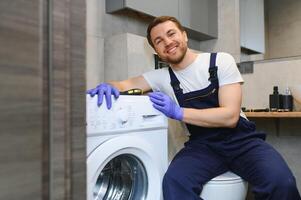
x,y
273,114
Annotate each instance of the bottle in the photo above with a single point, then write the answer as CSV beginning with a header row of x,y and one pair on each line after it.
x,y
275,100
287,100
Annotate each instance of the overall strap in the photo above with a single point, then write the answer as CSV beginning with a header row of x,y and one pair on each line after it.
x,y
213,69
175,84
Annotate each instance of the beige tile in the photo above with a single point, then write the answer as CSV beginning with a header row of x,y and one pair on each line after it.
x,y
93,20
95,61
259,85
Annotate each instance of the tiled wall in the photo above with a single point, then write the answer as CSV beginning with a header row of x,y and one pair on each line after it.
x,y
127,55
278,72
94,44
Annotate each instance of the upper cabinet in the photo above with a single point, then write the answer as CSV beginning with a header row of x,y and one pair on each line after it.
x,y
252,25
152,8
199,17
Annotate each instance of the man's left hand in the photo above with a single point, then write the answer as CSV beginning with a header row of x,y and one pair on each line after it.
x,y
166,105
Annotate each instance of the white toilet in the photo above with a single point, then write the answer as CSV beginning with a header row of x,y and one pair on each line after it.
x,y
227,186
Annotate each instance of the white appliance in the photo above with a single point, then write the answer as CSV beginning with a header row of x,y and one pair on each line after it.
x,y
126,149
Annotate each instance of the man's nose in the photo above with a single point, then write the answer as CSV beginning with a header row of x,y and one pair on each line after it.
x,y
167,41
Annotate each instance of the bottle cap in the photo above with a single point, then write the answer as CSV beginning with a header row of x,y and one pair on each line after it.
x,y
275,90
288,91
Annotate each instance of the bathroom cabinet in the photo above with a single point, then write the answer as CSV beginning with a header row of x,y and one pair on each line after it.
x,y
152,8
252,33
199,17
42,109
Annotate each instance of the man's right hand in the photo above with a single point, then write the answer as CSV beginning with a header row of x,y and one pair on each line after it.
x,y
104,89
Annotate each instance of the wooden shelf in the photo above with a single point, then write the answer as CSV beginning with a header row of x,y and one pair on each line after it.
x,y
273,114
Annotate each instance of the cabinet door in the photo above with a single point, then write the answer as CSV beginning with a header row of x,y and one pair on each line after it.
x,y
152,8
252,25
155,7
42,101
21,125
199,16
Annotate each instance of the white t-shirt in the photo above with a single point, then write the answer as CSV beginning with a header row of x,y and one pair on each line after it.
x,y
195,76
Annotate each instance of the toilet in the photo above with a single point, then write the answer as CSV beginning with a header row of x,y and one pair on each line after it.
x,y
227,186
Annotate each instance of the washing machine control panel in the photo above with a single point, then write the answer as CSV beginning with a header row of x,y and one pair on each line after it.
x,y
127,113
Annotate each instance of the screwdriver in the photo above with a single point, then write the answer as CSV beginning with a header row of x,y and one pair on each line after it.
x,y
135,91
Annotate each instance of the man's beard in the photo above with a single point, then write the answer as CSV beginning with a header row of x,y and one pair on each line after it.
x,y
178,59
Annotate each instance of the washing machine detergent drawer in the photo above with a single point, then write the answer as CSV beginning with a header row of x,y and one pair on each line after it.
x,y
128,113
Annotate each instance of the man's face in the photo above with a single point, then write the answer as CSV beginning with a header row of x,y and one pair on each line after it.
x,y
169,41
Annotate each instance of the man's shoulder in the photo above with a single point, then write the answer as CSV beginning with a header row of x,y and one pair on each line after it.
x,y
156,72
161,70
225,55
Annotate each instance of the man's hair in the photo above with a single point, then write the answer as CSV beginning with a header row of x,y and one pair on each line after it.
x,y
159,20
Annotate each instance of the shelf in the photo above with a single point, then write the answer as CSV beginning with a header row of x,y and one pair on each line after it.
x,y
273,114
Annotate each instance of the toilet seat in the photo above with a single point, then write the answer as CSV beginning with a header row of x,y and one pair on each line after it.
x,y
228,177
227,186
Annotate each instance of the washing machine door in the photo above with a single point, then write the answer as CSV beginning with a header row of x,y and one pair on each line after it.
x,y
123,168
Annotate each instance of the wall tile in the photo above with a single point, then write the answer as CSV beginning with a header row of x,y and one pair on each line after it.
x,y
95,61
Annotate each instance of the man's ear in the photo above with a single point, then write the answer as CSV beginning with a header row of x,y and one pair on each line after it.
x,y
156,51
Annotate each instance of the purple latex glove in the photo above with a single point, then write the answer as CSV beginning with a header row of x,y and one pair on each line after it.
x,y
166,105
104,89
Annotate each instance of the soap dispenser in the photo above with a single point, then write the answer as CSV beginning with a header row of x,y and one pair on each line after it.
x,y
287,100
275,100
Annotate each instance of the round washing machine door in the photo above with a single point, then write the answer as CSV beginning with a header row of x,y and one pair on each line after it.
x,y
123,168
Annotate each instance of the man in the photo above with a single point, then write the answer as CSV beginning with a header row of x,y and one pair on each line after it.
x,y
204,92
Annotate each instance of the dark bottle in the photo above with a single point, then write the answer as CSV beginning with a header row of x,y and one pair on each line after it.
x,y
287,100
275,100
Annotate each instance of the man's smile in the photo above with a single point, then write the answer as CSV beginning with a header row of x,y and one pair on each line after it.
x,y
172,49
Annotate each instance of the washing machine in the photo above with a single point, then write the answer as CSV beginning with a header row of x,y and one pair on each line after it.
x,y
126,149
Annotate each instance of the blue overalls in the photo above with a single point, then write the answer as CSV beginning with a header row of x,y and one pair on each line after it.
x,y
213,151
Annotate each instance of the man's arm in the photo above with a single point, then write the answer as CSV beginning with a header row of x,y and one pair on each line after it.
x,y
226,115
136,82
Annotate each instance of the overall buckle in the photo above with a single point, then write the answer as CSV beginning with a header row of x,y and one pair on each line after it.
x,y
212,73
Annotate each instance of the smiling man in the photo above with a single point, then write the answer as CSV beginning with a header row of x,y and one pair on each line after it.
x,y
170,42
204,92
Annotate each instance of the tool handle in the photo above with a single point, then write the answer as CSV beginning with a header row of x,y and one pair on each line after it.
x,y
134,91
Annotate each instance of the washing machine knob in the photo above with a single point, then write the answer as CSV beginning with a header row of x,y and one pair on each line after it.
x,y
123,116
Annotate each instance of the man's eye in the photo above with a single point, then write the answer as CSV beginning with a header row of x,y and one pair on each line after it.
x,y
158,41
